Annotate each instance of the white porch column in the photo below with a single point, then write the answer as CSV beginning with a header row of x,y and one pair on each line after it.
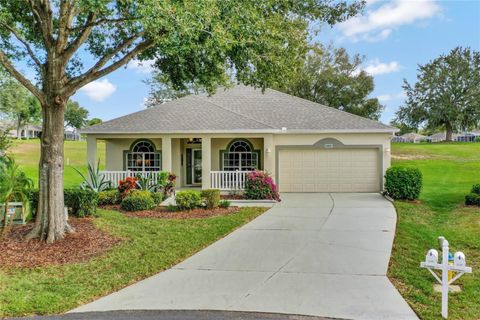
x,y
92,150
269,155
167,154
206,161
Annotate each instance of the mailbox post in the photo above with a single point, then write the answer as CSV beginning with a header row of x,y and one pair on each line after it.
x,y
459,267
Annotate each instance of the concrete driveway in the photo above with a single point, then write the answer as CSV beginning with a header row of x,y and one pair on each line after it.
x,y
312,254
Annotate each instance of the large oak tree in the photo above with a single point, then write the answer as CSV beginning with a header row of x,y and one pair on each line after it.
x,y
446,95
332,77
69,43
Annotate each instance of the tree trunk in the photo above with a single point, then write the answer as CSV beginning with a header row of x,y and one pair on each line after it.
x,y
449,134
51,223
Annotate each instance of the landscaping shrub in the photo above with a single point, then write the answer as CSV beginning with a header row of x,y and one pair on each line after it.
x,y
211,198
108,197
126,186
138,200
403,183
33,197
81,202
476,189
188,199
259,185
157,197
225,204
472,199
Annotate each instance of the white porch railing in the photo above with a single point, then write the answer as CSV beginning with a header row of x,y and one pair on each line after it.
x,y
116,176
228,180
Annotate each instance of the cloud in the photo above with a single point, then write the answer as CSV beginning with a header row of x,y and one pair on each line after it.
x,y
141,66
99,90
378,21
389,97
376,67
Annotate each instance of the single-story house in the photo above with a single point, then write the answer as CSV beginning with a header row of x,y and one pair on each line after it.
x,y
72,135
411,137
26,131
470,136
213,141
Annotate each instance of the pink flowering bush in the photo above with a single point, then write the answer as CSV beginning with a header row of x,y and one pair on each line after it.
x,y
260,185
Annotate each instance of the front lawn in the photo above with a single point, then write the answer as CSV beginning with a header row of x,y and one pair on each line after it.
x,y
27,154
150,246
449,171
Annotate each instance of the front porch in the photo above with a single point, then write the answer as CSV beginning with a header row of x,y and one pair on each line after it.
x,y
222,180
219,162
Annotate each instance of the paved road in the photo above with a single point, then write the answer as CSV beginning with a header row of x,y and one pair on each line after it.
x,y
313,254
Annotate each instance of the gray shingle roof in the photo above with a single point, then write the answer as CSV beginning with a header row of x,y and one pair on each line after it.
x,y
240,108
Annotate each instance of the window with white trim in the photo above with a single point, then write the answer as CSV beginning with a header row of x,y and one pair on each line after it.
x,y
240,156
143,157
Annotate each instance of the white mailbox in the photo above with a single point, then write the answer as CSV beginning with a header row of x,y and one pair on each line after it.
x,y
432,257
459,267
459,260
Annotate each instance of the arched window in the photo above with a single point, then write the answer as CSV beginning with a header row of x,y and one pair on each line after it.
x,y
143,157
240,156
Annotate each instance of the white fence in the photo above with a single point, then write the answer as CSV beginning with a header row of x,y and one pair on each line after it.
x,y
228,180
116,176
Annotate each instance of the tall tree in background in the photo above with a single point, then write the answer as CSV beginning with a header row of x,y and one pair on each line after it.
x,y
163,90
94,121
75,116
446,95
333,78
191,41
18,104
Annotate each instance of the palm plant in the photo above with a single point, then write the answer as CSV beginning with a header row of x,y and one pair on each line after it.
x,y
95,181
15,186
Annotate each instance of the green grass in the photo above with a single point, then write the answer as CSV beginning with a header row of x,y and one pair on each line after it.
x,y
27,154
449,171
151,245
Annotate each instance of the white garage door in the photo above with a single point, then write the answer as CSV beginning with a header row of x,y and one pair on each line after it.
x,y
332,170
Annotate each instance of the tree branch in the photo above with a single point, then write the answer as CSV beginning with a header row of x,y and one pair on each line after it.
x,y
25,43
82,37
43,17
104,21
5,62
95,72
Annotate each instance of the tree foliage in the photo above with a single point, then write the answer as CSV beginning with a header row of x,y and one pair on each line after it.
x,y
446,95
162,90
70,43
94,121
75,116
18,105
330,76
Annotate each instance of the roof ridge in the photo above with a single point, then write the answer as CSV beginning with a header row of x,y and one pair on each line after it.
x,y
330,108
239,114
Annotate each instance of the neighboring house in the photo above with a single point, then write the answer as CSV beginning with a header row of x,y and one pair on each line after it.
x,y
411,137
468,136
72,135
439,137
212,142
26,132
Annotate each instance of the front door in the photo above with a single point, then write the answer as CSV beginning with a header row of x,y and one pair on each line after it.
x,y
197,166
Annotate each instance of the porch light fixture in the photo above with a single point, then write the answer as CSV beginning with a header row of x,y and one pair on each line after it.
x,y
268,150
284,129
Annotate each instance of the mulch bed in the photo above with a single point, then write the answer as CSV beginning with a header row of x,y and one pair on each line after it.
x,y
232,197
163,213
86,242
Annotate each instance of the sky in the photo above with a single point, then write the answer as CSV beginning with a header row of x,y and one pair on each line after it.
x,y
395,36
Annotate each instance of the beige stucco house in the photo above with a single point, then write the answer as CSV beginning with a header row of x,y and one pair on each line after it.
x,y
213,141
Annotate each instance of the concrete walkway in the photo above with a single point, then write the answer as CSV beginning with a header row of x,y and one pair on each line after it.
x,y
312,254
